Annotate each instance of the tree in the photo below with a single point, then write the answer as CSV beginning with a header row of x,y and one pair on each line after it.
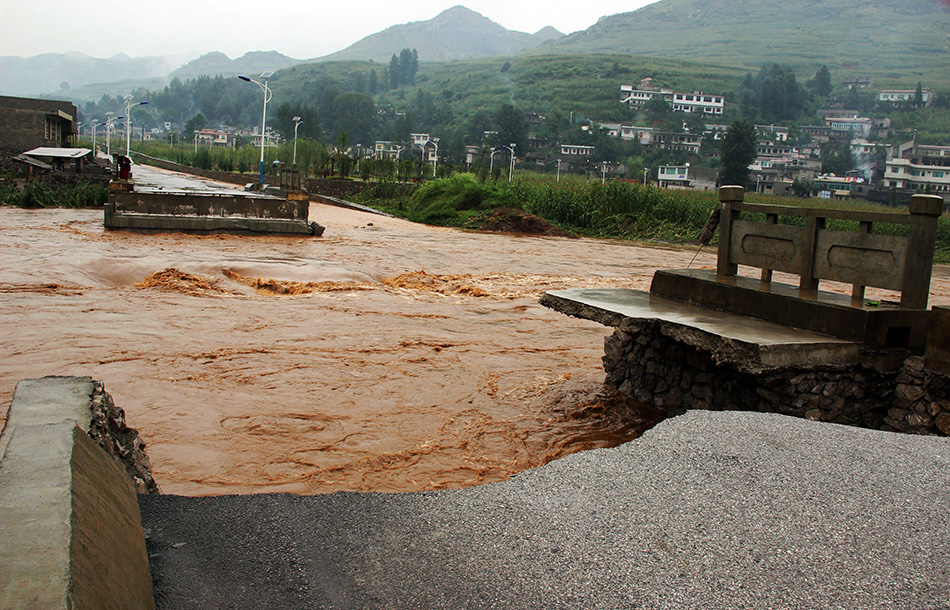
x,y
737,152
821,84
195,123
919,96
356,113
512,127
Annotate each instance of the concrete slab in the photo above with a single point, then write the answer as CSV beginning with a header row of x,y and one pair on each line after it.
x,y
750,343
707,510
828,313
70,531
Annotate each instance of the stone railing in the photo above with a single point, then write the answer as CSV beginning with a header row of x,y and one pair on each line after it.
x,y
814,253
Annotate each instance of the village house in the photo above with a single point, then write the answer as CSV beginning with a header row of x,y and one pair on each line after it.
x,y
687,177
860,127
27,123
384,149
919,167
215,137
830,186
695,102
898,97
576,150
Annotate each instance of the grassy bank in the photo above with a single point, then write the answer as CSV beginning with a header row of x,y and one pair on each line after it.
x,y
38,194
616,210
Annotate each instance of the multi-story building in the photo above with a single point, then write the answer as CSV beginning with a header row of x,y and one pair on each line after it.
x,y
860,127
215,137
830,186
384,149
689,142
919,167
686,177
697,101
905,96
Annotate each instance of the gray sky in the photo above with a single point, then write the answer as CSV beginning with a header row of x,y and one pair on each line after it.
x,y
296,28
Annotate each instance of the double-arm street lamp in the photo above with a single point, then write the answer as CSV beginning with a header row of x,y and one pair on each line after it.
x,y
109,120
95,123
297,122
267,95
128,122
511,163
435,158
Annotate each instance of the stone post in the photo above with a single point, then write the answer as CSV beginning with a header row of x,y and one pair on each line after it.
x,y
921,239
729,196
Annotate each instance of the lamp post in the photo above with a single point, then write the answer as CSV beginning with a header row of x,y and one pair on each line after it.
x,y
297,122
399,149
511,166
128,122
646,172
196,141
603,172
491,159
94,125
435,159
109,133
558,170
267,95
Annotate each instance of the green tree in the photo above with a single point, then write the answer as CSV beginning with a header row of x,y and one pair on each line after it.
x,y
356,113
195,123
919,96
821,84
512,127
737,152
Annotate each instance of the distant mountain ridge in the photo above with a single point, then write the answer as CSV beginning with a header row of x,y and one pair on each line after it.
x,y
456,33
251,64
54,72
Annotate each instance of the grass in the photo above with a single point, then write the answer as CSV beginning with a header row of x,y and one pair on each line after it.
x,y
617,209
38,194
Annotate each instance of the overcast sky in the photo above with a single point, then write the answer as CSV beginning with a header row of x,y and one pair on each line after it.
x,y
299,28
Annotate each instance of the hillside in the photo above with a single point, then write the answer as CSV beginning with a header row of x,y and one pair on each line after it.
x,y
456,33
895,39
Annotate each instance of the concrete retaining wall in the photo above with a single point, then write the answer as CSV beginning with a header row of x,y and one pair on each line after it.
x,y
70,530
877,391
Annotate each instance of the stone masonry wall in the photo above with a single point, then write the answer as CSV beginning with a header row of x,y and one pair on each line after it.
x,y
877,392
109,430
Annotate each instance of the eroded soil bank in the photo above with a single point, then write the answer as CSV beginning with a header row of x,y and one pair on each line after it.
x,y
384,356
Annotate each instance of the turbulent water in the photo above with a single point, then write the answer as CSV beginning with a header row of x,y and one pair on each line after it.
x,y
384,356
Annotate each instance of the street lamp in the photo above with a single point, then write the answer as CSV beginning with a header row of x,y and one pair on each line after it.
x,y
399,149
603,173
558,170
196,141
267,95
646,172
297,122
128,122
95,124
435,159
109,132
511,167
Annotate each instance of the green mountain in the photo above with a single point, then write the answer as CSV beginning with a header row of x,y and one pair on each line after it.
x,y
903,40
456,33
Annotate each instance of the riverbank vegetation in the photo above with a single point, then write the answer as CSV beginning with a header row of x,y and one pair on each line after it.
x,y
39,194
617,209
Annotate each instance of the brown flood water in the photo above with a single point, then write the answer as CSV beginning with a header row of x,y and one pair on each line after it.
x,y
384,356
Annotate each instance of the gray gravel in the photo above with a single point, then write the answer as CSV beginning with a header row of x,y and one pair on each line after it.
x,y
707,510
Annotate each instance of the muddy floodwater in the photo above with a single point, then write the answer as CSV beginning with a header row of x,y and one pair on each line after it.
x,y
384,356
